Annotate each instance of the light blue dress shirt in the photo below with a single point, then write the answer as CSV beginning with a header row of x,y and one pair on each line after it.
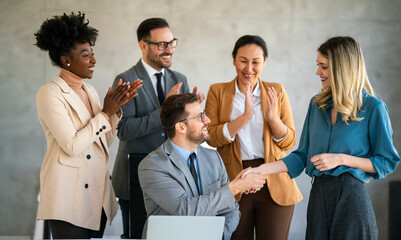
x,y
185,156
369,138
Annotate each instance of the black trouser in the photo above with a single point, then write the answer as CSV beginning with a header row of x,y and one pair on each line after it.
x,y
137,212
65,230
124,207
340,208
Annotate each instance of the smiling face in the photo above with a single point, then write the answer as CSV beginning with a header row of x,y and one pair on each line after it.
x,y
80,60
249,63
323,69
197,131
150,52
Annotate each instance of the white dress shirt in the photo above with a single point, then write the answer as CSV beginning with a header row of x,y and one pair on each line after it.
x,y
251,135
151,72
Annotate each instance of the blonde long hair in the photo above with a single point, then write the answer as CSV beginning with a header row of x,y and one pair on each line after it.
x,y
348,77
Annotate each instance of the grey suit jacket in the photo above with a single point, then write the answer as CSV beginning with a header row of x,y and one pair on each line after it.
x,y
140,129
169,188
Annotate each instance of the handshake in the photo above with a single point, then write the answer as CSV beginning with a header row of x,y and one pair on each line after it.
x,y
246,182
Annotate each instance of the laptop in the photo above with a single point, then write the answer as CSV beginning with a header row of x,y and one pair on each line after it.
x,y
185,227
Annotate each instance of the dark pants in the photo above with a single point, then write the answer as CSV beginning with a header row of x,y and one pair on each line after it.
x,y
124,207
133,210
261,215
65,230
340,208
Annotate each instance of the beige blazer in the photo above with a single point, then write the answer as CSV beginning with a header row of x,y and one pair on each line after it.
x,y
283,190
74,178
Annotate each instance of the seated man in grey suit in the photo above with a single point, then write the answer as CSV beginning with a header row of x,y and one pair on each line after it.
x,y
183,178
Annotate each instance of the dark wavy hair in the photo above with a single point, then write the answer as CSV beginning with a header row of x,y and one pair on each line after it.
x,y
173,110
59,34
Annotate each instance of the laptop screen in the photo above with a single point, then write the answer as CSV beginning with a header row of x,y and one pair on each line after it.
x,y
185,227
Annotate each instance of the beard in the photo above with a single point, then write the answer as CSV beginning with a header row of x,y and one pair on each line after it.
x,y
156,62
197,137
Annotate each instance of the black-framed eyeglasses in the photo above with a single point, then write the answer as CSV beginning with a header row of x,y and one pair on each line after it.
x,y
201,115
163,45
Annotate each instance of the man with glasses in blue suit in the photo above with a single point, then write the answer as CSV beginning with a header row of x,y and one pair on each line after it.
x,y
140,130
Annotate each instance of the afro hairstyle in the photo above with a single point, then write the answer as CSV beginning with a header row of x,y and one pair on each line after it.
x,y
59,34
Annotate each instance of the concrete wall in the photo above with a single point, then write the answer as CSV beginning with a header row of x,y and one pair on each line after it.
x,y
207,31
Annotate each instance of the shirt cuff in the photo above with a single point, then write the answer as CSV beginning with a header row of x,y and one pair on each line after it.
x,y
281,139
227,134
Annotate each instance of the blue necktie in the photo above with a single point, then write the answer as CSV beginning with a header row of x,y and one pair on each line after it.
x,y
193,170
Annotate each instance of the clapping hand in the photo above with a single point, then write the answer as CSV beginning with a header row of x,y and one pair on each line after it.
x,y
248,101
122,94
201,96
272,102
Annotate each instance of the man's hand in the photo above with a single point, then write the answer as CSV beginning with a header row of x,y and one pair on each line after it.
x,y
174,90
250,183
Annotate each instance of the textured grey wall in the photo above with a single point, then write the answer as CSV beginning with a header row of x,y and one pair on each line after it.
x,y
206,30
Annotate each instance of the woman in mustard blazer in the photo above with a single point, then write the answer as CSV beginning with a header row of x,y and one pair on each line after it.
x,y
251,124
76,195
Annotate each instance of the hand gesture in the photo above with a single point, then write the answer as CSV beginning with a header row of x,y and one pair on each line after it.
x,y
326,161
247,171
248,101
272,102
123,93
174,90
250,183
201,96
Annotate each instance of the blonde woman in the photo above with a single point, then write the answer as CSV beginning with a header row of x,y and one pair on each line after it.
x,y
345,141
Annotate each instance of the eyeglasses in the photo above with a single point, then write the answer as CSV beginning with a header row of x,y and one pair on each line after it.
x,y
201,115
163,45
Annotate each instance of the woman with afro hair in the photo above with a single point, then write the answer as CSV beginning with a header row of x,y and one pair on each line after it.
x,y
76,195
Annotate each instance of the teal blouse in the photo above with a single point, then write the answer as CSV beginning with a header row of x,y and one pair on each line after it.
x,y
369,138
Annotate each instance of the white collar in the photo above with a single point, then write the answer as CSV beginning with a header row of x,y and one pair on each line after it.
x,y
256,91
151,71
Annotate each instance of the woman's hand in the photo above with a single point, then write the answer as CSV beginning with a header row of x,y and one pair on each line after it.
x,y
122,94
250,183
272,102
248,102
201,95
327,161
247,171
266,169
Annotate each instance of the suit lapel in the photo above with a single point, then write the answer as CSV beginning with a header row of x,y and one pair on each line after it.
x,y
177,160
147,85
202,166
73,100
227,101
168,82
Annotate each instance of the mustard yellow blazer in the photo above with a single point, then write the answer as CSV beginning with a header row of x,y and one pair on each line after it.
x,y
283,190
